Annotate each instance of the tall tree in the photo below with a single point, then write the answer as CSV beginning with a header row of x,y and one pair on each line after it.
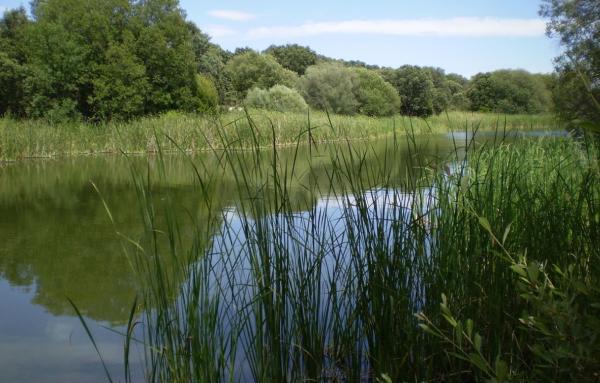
x,y
577,24
293,56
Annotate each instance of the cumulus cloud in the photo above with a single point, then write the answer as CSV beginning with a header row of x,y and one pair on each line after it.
x,y
219,31
232,15
460,26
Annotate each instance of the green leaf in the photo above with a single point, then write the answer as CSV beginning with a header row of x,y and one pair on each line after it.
x,y
478,361
501,370
477,342
485,224
469,327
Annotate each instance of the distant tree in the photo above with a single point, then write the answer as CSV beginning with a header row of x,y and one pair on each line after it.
x,y
330,87
120,85
293,56
457,78
100,59
12,59
210,61
251,69
374,95
509,91
415,87
208,93
577,23
458,96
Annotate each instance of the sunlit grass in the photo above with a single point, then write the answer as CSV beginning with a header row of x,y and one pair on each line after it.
x,y
37,138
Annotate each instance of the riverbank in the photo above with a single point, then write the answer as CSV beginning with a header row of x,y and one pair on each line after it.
x,y
174,131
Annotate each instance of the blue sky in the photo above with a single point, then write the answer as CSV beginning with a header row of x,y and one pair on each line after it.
x,y
466,37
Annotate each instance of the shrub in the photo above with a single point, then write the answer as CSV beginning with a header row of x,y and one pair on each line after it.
x,y
330,87
509,91
375,96
207,93
293,57
258,98
415,87
279,98
251,69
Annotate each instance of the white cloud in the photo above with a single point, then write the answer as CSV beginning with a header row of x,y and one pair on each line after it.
x,y
231,15
219,31
3,9
460,26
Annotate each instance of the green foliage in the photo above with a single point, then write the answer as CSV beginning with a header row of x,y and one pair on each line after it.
x,y
208,93
12,70
120,86
293,57
375,96
251,69
509,91
100,59
416,89
279,98
577,23
330,87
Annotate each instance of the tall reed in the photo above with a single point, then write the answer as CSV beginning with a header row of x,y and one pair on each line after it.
x,y
282,289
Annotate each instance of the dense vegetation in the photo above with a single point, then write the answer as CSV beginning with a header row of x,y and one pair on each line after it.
x,y
482,270
99,60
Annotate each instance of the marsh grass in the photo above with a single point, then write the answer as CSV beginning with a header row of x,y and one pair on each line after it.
x,y
267,291
192,133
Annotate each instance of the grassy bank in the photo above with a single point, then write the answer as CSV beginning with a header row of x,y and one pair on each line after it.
x,y
487,270
31,139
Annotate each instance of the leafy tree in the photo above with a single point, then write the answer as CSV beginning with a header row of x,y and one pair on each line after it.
x,y
12,69
293,56
121,84
164,46
330,87
509,91
416,89
375,96
251,69
577,23
208,93
279,98
100,59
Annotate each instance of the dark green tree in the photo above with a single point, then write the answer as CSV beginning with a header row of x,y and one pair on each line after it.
x,y
330,87
577,24
12,59
509,91
415,87
251,69
375,96
293,56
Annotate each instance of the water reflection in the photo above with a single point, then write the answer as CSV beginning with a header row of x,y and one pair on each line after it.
x,y
57,241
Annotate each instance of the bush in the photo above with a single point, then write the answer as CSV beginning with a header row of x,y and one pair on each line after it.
x,y
509,91
330,87
293,57
279,98
251,69
207,93
416,89
375,96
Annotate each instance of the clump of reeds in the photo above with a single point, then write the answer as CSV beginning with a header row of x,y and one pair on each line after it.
x,y
285,289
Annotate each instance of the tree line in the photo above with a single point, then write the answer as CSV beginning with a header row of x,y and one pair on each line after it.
x,y
119,59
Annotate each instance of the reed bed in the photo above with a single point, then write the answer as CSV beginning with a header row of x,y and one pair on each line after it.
x,y
371,282
41,139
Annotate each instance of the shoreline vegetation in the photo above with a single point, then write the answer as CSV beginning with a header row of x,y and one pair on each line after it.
x,y
30,139
450,276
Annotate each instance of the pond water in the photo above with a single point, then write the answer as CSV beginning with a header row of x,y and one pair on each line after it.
x,y
57,242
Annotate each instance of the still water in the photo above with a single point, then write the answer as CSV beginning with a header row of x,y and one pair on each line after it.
x,y
57,242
